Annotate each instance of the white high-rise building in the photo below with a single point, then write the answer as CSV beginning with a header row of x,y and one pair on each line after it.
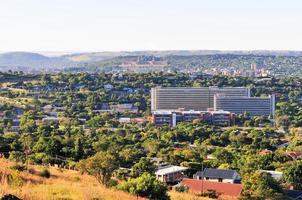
x,y
191,98
255,106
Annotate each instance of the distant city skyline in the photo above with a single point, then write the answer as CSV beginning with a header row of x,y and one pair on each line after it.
x,y
134,25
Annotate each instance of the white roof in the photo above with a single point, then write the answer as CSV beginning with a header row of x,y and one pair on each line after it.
x,y
191,112
124,119
170,170
162,112
220,112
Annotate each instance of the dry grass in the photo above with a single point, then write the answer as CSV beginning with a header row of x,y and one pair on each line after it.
x,y
64,184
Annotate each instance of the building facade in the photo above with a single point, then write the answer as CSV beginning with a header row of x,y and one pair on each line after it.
x,y
170,174
191,98
255,106
171,118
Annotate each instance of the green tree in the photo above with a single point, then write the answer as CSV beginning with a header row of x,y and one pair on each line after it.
x,y
146,186
144,165
293,174
261,185
78,149
101,165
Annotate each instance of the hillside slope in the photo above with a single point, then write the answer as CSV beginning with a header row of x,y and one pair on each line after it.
x,y
63,184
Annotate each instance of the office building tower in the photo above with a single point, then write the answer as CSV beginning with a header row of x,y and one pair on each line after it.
x,y
255,106
191,98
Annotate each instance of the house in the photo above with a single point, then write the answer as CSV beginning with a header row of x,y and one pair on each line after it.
x,y
138,120
201,186
47,108
49,120
294,155
218,175
265,152
126,107
124,120
293,194
108,87
170,174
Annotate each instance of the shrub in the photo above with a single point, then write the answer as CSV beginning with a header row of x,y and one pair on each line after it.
x,y
45,173
18,167
210,194
77,179
31,171
15,180
146,186
112,183
181,188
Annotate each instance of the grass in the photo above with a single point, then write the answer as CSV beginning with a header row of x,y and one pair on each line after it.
x,y
63,184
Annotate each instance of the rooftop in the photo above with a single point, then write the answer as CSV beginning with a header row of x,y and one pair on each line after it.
x,y
227,189
170,169
217,173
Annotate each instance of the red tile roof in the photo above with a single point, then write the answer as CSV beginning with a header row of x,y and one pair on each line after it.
x,y
294,154
265,152
227,189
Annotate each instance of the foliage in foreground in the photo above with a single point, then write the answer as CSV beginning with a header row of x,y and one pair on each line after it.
x,y
101,165
146,186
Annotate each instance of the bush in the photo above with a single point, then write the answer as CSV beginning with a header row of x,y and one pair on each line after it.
x,y
210,194
16,156
112,183
77,179
181,188
146,186
18,167
45,173
31,171
15,180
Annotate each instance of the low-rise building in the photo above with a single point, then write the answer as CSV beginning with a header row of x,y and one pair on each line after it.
x,y
218,175
161,118
49,120
222,118
126,107
170,174
172,117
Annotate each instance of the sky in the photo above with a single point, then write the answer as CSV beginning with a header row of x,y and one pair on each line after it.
x,y
130,25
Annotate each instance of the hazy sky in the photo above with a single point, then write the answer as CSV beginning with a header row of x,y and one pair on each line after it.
x,y
113,25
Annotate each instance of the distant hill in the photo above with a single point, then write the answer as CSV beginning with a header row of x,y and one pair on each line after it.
x,y
114,61
25,61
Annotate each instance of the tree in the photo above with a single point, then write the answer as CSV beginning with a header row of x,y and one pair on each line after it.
x,y
261,185
101,165
144,165
78,149
293,174
46,79
223,156
27,122
146,186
